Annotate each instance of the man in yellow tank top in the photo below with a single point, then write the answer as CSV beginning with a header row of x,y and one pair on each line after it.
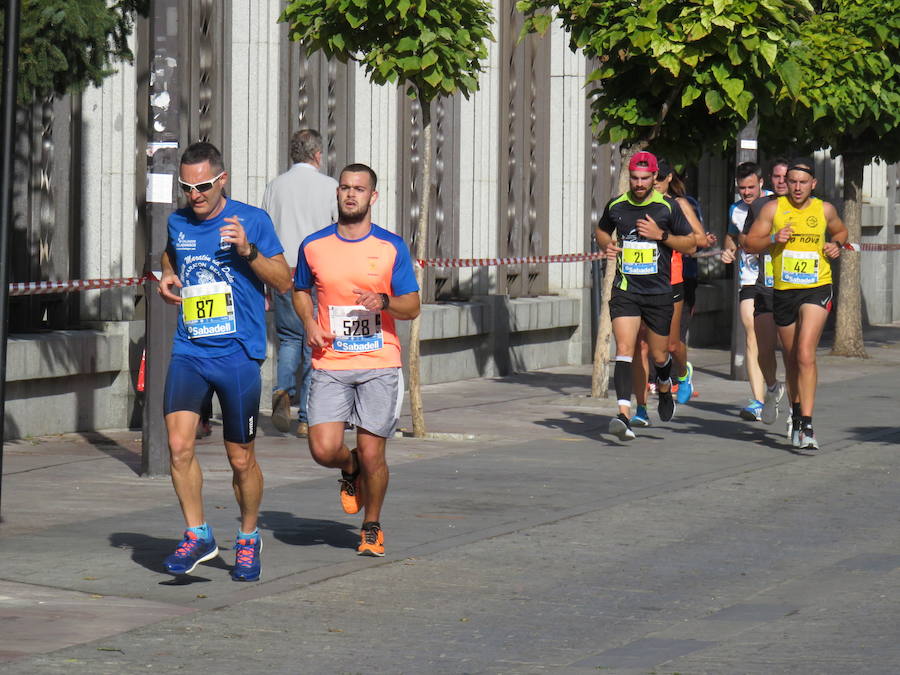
x,y
794,228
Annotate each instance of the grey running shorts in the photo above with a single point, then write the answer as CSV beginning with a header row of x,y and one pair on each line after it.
x,y
370,399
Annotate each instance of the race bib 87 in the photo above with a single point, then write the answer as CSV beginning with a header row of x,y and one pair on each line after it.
x,y
208,310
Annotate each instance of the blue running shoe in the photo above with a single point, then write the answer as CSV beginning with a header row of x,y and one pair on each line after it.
x,y
246,561
753,411
641,418
190,553
685,385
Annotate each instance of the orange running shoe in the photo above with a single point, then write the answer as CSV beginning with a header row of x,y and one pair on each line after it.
x,y
351,499
372,540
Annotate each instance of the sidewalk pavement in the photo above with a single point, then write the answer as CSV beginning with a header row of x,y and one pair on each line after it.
x,y
520,538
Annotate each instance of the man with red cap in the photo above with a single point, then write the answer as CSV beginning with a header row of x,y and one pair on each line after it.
x,y
639,230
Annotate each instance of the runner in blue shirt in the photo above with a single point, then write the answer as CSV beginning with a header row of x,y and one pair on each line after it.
x,y
219,256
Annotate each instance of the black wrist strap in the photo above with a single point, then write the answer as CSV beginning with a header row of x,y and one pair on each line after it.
x,y
385,301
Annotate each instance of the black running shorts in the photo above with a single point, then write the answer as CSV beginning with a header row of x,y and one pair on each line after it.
x,y
690,291
655,310
747,292
678,292
762,303
786,303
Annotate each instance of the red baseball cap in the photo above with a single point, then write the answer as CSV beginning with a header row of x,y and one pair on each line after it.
x,y
643,161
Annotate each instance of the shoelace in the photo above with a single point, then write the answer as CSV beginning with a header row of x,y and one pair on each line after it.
x,y
347,485
371,535
191,541
246,550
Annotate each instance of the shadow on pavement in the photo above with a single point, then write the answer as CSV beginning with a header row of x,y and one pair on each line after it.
x,y
733,430
149,552
578,423
556,383
114,448
294,531
883,435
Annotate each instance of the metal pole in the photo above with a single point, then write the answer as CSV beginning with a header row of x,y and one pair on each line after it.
x,y
163,134
596,291
10,71
746,152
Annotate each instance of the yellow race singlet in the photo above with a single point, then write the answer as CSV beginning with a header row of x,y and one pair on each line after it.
x,y
801,262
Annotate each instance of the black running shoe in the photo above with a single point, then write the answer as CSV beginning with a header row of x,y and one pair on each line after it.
x,y
666,406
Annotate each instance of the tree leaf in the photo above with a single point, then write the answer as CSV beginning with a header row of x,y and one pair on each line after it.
x,y
407,44
429,59
791,75
733,87
689,95
714,101
769,51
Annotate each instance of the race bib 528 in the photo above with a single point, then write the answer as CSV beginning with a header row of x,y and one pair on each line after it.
x,y
355,328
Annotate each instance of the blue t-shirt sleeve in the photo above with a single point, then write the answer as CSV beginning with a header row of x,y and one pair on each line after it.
x,y
303,278
264,236
732,228
403,276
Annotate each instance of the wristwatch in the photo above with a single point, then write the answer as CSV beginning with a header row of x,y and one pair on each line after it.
x,y
250,257
665,235
385,301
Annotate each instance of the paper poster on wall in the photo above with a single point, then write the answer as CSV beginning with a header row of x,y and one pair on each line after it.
x,y
159,188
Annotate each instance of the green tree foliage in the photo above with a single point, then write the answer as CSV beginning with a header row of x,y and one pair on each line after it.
x,y
686,74
436,46
64,45
844,86
844,94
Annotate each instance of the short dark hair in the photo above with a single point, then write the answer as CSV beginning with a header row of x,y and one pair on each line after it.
x,y
361,168
803,163
780,161
305,144
747,169
200,152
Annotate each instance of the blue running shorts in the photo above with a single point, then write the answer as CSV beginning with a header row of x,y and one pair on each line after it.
x,y
236,380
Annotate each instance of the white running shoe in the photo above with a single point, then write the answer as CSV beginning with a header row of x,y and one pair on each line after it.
x,y
793,433
807,440
619,426
770,405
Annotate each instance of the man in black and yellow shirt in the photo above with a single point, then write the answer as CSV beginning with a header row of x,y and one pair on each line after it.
x,y
639,230
794,229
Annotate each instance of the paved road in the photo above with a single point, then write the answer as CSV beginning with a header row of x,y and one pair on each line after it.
x,y
521,539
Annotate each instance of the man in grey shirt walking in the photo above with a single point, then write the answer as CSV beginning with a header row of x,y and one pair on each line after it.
x,y
300,201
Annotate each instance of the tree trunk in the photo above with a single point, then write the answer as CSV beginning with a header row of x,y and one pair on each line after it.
x,y
600,373
848,338
415,381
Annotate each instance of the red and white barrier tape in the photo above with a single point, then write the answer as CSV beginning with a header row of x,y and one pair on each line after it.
x,y
46,287
531,260
871,247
